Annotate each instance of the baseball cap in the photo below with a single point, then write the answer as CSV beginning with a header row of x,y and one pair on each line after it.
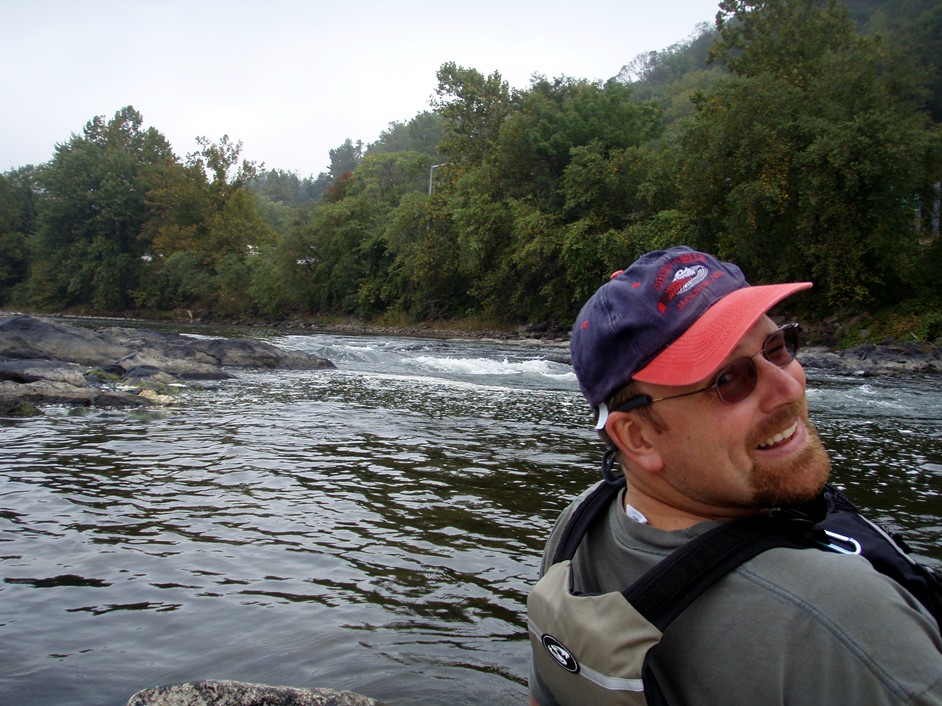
x,y
671,318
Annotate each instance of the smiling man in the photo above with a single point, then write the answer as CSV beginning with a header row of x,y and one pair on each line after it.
x,y
700,398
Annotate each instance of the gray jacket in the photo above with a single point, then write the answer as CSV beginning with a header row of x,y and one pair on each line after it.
x,y
788,627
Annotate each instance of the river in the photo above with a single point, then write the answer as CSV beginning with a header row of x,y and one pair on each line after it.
x,y
373,528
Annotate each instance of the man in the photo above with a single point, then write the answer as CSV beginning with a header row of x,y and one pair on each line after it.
x,y
697,391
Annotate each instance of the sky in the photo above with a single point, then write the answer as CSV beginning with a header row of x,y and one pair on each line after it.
x,y
293,79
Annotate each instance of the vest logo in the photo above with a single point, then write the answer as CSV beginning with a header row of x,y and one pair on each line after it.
x,y
560,653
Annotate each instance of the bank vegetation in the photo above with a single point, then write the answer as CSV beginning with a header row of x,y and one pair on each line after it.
x,y
799,138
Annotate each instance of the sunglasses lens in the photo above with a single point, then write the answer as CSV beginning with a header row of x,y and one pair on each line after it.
x,y
781,347
735,382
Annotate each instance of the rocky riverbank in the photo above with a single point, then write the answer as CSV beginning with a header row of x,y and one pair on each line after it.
x,y
48,361
43,361
875,359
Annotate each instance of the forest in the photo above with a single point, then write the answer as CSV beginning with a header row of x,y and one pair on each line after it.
x,y
798,138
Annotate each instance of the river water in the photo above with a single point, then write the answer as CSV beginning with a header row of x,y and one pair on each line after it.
x,y
373,528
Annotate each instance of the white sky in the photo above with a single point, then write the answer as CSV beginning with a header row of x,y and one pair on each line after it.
x,y
293,79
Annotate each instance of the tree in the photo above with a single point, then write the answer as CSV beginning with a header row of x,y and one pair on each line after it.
x,y
205,210
284,188
345,158
814,142
666,66
421,134
90,245
512,210
424,277
784,38
912,29
339,252
670,76
18,223
474,108
556,117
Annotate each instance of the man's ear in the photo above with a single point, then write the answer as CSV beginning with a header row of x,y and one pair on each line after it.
x,y
634,437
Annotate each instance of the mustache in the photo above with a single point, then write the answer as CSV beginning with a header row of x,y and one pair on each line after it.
x,y
781,420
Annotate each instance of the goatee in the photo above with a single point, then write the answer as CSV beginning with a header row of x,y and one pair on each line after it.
x,y
799,479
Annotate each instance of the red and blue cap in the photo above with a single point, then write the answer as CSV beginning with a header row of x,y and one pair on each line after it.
x,y
671,318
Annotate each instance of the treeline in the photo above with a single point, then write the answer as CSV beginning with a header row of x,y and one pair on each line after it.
x,y
792,137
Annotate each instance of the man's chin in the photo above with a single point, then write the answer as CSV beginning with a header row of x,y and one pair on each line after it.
x,y
797,481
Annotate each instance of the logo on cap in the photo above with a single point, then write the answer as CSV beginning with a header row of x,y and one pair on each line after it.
x,y
684,280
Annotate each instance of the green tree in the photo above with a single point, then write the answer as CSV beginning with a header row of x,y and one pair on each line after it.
x,y
423,277
555,117
669,77
285,188
474,108
784,38
560,156
421,134
339,253
806,161
90,245
328,249
205,211
345,158
18,223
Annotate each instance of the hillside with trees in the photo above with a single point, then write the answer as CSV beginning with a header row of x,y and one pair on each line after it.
x,y
799,138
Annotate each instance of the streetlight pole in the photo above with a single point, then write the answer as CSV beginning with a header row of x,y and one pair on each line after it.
x,y
431,171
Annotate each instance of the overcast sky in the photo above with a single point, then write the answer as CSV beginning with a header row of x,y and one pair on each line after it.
x,y
293,79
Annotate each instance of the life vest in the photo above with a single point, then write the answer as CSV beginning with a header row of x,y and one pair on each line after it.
x,y
594,648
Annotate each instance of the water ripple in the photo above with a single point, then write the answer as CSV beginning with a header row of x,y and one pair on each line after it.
x,y
374,528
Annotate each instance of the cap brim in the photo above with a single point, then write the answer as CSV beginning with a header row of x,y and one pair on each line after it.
x,y
705,345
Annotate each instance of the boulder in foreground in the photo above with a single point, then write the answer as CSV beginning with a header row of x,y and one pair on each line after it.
x,y
234,693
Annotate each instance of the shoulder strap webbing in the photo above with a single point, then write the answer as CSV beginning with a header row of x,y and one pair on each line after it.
x,y
583,515
666,590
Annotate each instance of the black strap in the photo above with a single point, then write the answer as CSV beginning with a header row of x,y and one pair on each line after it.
x,y
583,516
666,590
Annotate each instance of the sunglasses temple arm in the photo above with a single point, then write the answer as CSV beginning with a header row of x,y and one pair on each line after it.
x,y
635,402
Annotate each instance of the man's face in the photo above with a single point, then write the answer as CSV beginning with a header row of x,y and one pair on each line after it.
x,y
759,452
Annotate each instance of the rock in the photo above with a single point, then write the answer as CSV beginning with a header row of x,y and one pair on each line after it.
x,y
52,392
14,407
189,368
33,338
875,359
245,353
47,362
27,371
191,356
233,693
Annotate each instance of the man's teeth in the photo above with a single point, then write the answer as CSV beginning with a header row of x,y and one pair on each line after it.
x,y
781,436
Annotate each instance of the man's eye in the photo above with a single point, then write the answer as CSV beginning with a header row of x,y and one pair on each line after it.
x,y
727,377
777,352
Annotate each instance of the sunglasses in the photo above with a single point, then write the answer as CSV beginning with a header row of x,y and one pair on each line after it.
x,y
736,381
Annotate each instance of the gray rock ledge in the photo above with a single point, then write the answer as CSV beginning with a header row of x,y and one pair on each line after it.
x,y
912,357
50,362
234,693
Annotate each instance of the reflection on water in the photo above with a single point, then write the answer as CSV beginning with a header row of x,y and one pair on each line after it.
x,y
374,528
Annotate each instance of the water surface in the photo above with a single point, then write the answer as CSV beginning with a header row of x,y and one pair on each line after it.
x,y
373,528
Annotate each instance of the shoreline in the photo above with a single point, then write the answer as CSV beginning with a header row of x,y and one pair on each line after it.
x,y
536,333
818,345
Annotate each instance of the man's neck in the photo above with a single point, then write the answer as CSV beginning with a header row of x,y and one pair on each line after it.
x,y
669,515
